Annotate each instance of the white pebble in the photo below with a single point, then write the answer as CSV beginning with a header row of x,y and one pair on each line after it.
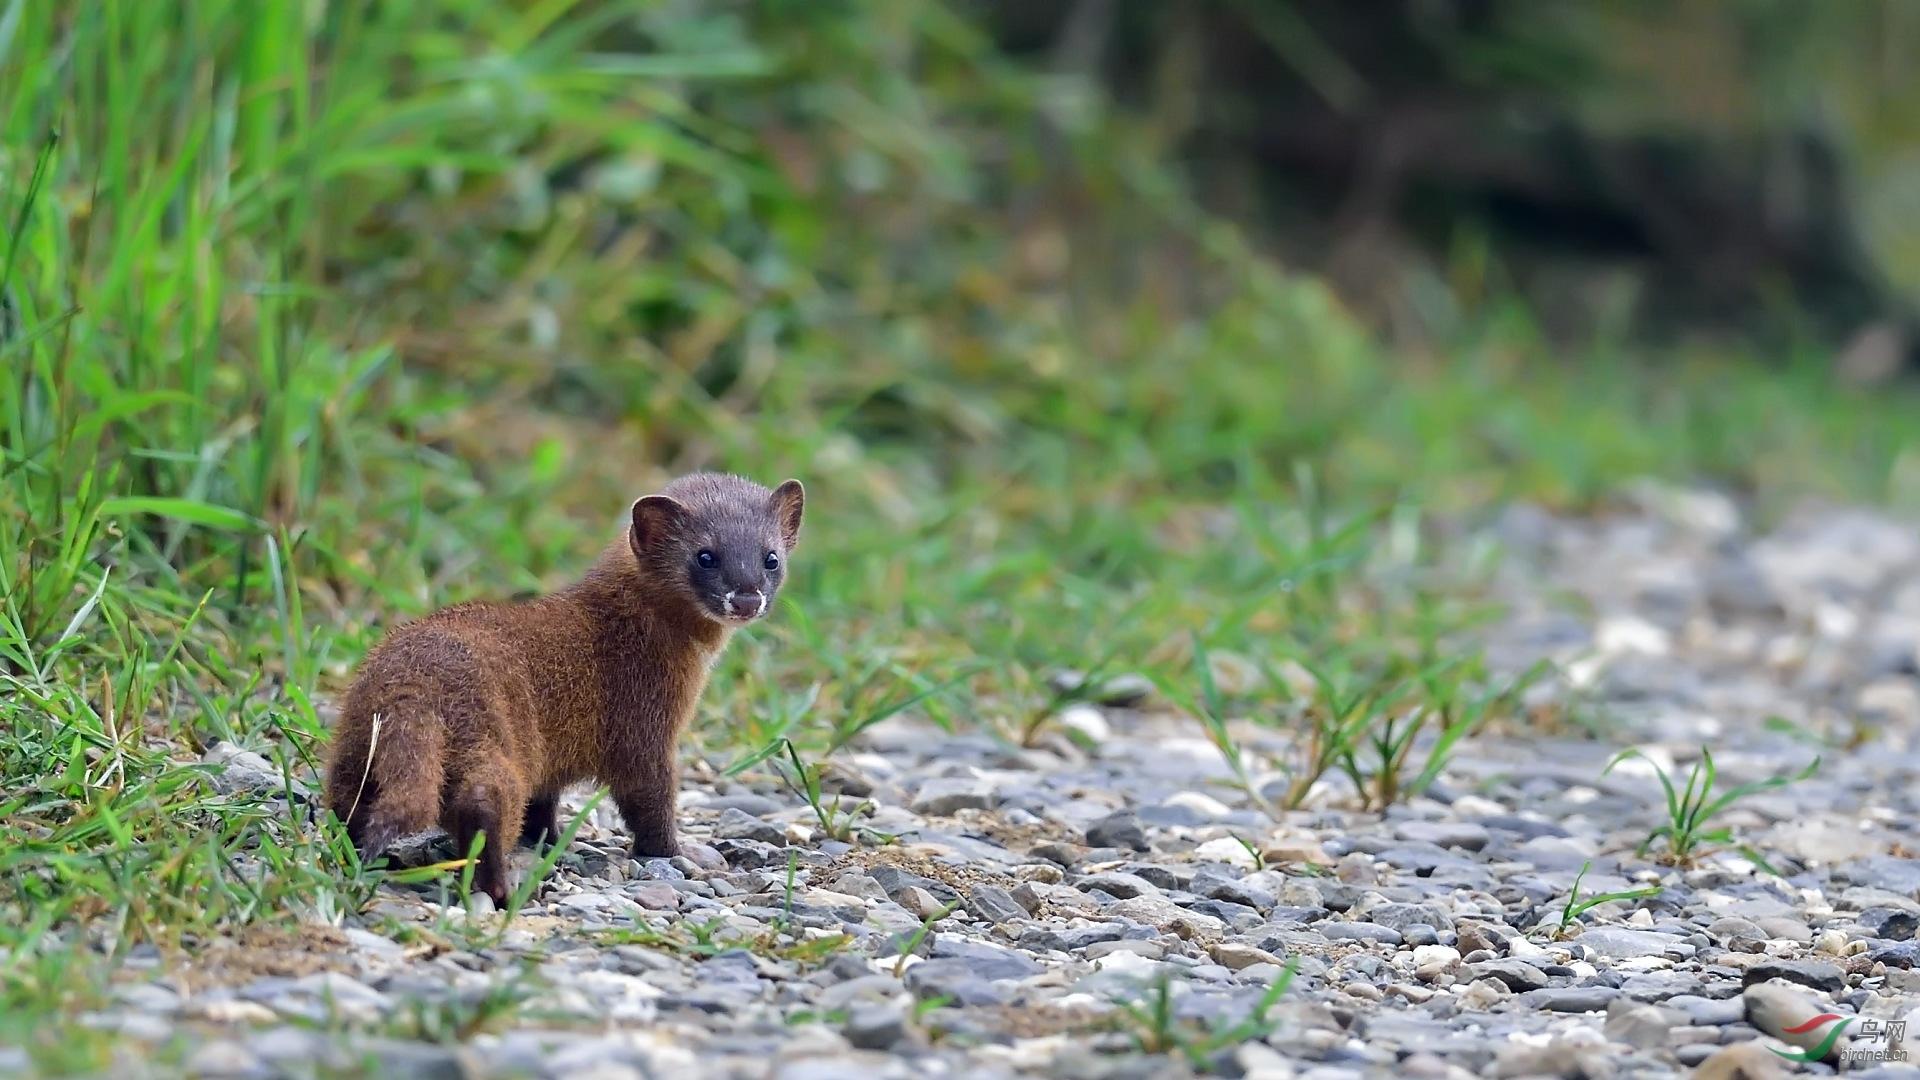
x,y
1225,850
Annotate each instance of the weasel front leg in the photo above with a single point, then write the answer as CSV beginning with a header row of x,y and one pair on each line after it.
x,y
647,795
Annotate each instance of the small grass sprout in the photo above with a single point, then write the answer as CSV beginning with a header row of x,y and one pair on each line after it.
x,y
912,943
1157,1030
1578,905
1688,833
455,1020
804,779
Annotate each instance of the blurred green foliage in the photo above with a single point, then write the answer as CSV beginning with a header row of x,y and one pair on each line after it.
x,y
1739,167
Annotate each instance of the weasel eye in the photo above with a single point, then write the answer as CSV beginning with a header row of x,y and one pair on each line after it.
x,y
706,559
773,561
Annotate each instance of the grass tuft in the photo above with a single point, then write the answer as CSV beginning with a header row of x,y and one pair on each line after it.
x,y
1578,905
1156,1029
1687,833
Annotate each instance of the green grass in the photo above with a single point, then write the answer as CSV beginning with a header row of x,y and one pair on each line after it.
x,y
911,943
803,778
1688,832
1578,905
1151,1022
317,316
455,1020
1361,654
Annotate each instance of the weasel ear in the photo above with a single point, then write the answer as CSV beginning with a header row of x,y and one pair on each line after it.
x,y
654,517
788,501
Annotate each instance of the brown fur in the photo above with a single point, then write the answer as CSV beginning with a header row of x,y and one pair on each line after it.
x,y
476,716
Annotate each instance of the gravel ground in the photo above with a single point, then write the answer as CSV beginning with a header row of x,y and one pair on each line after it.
x,y
1088,874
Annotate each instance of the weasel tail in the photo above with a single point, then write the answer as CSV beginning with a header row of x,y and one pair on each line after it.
x,y
386,777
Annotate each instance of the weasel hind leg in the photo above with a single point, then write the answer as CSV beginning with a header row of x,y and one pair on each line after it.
x,y
542,824
490,802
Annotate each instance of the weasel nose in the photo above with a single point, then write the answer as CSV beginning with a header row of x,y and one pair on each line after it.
x,y
746,605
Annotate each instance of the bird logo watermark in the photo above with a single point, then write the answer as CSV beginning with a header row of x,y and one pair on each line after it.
x,y
1874,1041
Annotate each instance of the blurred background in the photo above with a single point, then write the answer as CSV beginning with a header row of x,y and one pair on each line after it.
x,y
320,312
344,309
580,246
1658,169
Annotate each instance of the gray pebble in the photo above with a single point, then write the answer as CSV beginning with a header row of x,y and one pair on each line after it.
x,y
1118,830
1351,931
1892,924
1708,1011
875,1027
944,795
1817,974
953,979
1517,975
737,824
1570,999
1117,885
994,904
1620,943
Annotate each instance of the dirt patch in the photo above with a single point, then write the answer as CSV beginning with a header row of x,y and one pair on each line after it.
x,y
260,951
1023,838
959,878
1039,1021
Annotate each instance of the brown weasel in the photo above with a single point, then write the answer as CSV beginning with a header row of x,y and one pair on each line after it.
x,y
476,716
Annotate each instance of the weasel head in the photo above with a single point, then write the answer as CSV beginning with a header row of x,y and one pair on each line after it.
x,y
720,541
